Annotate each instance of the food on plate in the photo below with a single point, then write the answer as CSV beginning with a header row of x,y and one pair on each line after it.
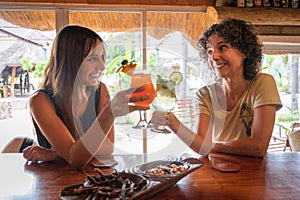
x,y
168,169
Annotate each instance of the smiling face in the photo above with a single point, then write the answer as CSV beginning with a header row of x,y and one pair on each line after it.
x,y
92,66
224,59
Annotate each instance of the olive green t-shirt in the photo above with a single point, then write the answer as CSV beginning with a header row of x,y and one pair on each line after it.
x,y
236,123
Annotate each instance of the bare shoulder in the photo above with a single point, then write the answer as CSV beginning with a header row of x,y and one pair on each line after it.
x,y
104,96
103,88
39,99
104,92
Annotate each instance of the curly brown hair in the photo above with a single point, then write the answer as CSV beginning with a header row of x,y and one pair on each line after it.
x,y
241,35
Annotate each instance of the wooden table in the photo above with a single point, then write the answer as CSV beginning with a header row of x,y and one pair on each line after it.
x,y
277,176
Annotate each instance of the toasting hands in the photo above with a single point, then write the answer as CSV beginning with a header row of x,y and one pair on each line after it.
x,y
123,103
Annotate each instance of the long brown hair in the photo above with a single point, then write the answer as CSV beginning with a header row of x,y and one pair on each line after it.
x,y
71,45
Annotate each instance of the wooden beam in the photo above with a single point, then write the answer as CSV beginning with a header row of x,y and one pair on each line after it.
x,y
61,18
118,2
280,30
280,44
287,40
20,38
261,16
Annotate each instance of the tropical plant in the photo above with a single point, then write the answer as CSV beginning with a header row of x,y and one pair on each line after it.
x,y
37,67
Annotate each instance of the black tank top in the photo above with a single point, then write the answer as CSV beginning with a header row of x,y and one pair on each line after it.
x,y
86,120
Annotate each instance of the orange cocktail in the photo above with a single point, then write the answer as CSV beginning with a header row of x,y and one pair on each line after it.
x,y
143,79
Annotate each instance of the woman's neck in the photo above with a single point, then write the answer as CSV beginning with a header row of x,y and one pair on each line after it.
x,y
81,102
232,91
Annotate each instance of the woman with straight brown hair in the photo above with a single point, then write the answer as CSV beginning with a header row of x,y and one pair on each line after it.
x,y
72,112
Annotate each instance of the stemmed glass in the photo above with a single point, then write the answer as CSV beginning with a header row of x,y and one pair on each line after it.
x,y
143,78
165,100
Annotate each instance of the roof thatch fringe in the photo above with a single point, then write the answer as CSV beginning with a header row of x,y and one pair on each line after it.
x,y
190,24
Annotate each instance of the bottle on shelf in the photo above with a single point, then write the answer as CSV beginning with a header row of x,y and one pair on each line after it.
x,y
267,3
249,3
241,3
257,3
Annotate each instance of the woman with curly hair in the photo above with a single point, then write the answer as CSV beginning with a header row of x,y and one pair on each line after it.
x,y
237,112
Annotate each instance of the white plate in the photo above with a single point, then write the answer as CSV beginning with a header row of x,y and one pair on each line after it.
x,y
144,168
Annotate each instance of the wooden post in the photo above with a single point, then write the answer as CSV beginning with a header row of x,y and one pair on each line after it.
x,y
5,91
12,82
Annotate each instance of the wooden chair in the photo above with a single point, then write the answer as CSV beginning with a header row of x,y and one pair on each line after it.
x,y
276,144
295,126
293,139
294,136
185,111
282,143
17,144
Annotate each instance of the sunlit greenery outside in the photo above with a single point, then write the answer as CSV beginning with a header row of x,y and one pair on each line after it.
x,y
285,69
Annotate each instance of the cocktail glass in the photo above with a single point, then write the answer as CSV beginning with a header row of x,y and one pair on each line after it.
x,y
165,100
143,78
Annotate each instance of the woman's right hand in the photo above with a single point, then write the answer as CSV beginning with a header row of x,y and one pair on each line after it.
x,y
169,119
123,103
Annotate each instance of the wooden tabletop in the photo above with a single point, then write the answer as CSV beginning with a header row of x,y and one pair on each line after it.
x,y
277,176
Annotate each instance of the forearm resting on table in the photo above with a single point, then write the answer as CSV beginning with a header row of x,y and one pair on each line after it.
x,y
196,142
241,147
93,139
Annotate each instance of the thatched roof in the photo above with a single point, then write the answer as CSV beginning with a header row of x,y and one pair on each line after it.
x,y
12,56
273,24
191,24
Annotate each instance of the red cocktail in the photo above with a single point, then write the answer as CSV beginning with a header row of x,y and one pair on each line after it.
x,y
142,79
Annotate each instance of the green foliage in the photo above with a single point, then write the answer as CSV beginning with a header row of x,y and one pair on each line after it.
x,y
113,53
279,79
151,63
285,59
287,117
26,65
270,60
286,129
280,67
37,68
116,62
283,118
129,121
113,65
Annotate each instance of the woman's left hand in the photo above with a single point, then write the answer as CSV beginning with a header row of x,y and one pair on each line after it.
x,y
36,153
172,122
159,118
169,119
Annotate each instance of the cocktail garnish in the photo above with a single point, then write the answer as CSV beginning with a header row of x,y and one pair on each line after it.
x,y
176,77
127,67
